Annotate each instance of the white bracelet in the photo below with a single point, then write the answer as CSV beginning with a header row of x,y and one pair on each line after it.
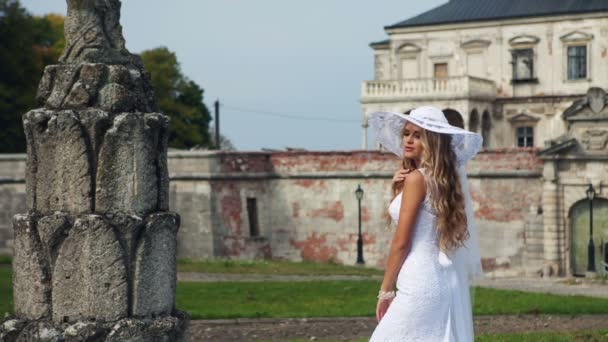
x,y
383,295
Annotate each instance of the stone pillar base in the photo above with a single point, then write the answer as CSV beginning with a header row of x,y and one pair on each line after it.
x,y
164,328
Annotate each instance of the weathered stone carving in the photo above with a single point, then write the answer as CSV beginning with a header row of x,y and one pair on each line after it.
x,y
93,33
90,275
595,139
127,178
95,254
111,88
32,274
155,274
59,169
597,99
592,106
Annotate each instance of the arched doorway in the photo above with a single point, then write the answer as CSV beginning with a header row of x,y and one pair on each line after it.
x,y
579,242
454,118
474,121
486,126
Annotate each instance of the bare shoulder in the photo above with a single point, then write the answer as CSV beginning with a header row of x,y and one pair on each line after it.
x,y
414,179
414,189
415,185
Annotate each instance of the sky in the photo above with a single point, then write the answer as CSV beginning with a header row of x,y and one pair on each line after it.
x,y
295,58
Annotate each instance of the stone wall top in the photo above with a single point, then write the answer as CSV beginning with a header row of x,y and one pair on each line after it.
x,y
503,161
195,163
214,162
506,159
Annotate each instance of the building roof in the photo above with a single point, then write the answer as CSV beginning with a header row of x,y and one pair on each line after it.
x,y
461,11
379,44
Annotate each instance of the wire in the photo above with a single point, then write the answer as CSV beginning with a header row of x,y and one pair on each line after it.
x,y
288,116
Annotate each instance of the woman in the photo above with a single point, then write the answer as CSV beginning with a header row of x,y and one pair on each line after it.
x,y
433,254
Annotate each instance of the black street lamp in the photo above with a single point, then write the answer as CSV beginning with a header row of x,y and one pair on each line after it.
x,y
359,194
591,249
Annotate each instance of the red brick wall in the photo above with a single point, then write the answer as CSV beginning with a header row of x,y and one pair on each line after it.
x,y
308,211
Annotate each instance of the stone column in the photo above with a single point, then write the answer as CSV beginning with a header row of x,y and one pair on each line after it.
x,y
550,221
364,127
95,255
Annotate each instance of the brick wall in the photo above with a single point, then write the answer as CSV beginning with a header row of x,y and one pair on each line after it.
x,y
306,206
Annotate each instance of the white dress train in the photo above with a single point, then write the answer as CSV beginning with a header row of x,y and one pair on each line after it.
x,y
428,301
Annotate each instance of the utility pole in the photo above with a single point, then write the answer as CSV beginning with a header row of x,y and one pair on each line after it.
x,y
218,145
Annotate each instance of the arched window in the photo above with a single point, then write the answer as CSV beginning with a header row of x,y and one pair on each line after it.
x,y
474,121
486,126
454,118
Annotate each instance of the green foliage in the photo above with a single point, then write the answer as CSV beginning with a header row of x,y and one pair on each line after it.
x,y
28,44
6,291
179,98
31,43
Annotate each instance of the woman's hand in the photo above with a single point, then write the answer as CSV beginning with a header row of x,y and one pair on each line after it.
x,y
382,307
400,175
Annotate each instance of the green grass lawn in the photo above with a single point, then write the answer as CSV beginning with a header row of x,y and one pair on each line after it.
x,y
6,291
350,299
333,298
273,267
5,260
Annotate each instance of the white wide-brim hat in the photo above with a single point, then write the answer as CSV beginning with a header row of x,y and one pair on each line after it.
x,y
388,127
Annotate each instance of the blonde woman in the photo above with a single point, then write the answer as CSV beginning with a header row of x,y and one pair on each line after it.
x,y
433,254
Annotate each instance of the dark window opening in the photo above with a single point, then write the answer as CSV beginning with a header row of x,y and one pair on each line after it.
x,y
252,212
474,121
523,66
486,126
525,136
577,62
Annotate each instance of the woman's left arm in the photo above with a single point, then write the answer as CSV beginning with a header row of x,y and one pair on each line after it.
x,y
414,190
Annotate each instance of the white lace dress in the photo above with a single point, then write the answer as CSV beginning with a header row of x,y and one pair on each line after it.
x,y
421,311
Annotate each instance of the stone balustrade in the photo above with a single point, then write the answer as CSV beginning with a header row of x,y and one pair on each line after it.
x,y
433,88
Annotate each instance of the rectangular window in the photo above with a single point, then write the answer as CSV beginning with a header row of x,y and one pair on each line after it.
x,y
440,73
525,136
577,62
523,64
252,212
440,70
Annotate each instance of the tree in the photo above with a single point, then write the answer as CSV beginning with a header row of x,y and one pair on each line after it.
x,y
28,45
179,98
31,43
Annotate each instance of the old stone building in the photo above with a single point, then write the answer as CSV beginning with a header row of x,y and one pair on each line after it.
x,y
523,73
510,68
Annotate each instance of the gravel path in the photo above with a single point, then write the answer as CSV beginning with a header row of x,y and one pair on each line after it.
x,y
348,329
559,286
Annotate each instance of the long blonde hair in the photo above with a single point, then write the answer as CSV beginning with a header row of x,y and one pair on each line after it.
x,y
447,199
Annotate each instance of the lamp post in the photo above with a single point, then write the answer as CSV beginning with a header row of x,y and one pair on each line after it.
x,y
359,194
591,249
